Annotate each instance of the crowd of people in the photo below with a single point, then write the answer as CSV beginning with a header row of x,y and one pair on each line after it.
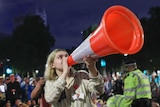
x,y
63,86
15,93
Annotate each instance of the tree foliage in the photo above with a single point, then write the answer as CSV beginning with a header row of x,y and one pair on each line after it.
x,y
29,45
89,30
151,27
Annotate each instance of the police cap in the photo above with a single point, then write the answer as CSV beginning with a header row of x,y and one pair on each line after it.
x,y
130,63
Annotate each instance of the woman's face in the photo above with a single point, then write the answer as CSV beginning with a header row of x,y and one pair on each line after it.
x,y
57,63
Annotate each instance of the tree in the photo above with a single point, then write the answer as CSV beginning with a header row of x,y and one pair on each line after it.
x,y
151,50
30,44
88,31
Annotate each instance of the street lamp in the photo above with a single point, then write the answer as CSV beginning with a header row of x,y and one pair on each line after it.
x,y
36,71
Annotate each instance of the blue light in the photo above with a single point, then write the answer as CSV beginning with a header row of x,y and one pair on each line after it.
x,y
103,63
8,70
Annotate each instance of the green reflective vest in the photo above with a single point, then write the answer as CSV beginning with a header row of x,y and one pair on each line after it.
x,y
137,85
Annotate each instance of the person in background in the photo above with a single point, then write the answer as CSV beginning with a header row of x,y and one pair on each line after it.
x,y
154,89
13,90
19,103
7,80
137,92
26,90
146,72
63,88
38,92
155,104
34,103
8,104
29,103
2,92
118,86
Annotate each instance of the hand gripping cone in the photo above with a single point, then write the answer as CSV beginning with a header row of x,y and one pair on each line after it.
x,y
120,32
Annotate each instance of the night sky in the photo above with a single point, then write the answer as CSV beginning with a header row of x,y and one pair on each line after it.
x,y
67,18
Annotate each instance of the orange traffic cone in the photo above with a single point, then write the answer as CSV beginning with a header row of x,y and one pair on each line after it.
x,y
120,32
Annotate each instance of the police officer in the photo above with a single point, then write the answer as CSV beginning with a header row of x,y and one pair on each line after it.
x,y
137,86
137,91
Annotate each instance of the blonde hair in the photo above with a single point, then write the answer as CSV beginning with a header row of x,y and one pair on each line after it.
x,y
50,73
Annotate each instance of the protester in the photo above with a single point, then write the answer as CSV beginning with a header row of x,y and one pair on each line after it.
x,y
154,88
8,104
19,103
38,92
2,92
13,90
63,89
26,89
118,86
137,92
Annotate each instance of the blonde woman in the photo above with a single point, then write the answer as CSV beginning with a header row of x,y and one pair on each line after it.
x,y
64,87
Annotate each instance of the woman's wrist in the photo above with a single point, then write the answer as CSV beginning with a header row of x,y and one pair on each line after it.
x,y
93,71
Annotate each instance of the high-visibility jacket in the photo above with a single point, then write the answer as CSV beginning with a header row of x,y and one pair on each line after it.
x,y
136,86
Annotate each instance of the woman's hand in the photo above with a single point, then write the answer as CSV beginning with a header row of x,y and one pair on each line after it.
x,y
91,65
66,68
41,82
